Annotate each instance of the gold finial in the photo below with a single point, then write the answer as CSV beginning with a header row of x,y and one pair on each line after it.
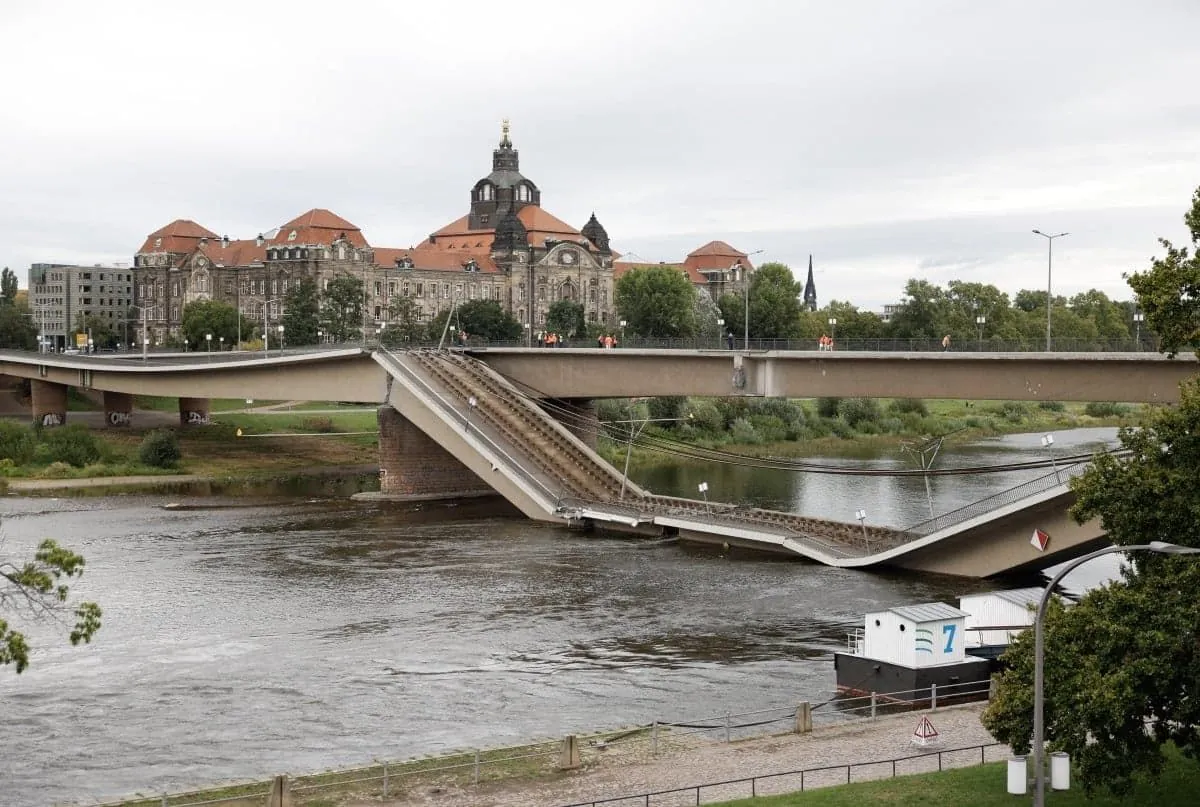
x,y
504,141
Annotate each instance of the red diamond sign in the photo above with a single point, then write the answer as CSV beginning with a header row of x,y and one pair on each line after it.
x,y
1039,540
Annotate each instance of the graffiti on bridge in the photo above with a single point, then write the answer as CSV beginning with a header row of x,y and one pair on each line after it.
x,y
120,418
195,418
53,419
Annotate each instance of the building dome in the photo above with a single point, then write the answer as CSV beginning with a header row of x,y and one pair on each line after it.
x,y
510,233
594,231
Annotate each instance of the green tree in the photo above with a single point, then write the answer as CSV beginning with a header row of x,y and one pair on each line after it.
x,y
342,308
41,587
1122,667
1169,290
404,323
566,318
8,287
17,328
921,314
774,305
100,330
1106,315
656,302
301,309
481,319
202,317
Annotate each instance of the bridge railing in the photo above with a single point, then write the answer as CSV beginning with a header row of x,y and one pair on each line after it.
x,y
885,345
1060,476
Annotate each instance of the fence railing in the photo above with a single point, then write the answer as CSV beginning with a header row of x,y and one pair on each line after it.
x,y
472,767
807,778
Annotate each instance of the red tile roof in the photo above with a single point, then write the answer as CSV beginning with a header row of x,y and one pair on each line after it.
x,y
318,226
540,225
717,248
181,235
433,259
238,253
621,267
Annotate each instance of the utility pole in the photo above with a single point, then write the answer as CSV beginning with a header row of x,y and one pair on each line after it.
x,y
1049,276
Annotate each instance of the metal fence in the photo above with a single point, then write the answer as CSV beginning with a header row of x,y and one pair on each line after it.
x,y
805,779
473,767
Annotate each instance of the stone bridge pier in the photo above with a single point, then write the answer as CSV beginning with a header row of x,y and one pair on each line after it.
x,y
48,402
193,411
413,467
118,409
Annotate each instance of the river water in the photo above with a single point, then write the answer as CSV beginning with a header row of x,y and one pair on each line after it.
x,y
242,639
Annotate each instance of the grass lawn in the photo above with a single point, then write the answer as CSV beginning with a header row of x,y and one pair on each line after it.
x,y
160,404
984,786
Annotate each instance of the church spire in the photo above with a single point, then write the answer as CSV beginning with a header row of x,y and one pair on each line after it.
x,y
505,157
810,289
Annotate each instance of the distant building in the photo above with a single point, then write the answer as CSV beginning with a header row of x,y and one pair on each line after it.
x,y
810,289
715,267
890,311
63,296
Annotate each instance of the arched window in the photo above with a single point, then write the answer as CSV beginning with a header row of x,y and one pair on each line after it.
x,y
486,192
567,291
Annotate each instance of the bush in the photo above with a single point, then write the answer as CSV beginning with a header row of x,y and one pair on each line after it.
x,y
780,408
901,406
1104,409
891,425
73,444
828,407
769,428
858,411
840,428
1052,406
731,409
17,442
668,407
743,432
704,415
160,449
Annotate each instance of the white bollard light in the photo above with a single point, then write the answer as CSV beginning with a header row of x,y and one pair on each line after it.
x,y
1060,771
1018,776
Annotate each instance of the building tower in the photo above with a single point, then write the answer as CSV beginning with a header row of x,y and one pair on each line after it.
x,y
810,289
504,190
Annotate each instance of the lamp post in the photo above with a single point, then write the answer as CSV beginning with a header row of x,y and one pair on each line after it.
x,y
622,331
1048,443
720,331
980,321
280,340
861,515
1137,323
746,323
221,344
1039,650
832,331
266,312
1049,276
208,345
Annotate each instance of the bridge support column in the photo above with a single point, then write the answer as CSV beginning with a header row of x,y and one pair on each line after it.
x,y
578,415
118,409
49,402
413,466
193,411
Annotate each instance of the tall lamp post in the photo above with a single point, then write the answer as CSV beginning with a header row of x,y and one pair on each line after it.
x,y
746,323
1049,275
980,321
1137,323
832,331
720,331
1039,649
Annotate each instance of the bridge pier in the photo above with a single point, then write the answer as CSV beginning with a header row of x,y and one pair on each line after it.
x,y
193,411
414,467
48,402
579,417
118,409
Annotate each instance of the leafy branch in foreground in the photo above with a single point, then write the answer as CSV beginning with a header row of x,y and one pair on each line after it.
x,y
40,589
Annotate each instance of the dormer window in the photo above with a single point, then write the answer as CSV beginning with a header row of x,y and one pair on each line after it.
x,y
404,263
157,242
292,235
523,194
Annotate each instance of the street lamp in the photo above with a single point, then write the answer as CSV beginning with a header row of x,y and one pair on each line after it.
x,y
208,345
746,323
1039,649
832,331
1048,443
220,344
1137,322
280,340
622,331
1049,275
720,330
980,321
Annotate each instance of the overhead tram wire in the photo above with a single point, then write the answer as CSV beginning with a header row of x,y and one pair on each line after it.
x,y
678,448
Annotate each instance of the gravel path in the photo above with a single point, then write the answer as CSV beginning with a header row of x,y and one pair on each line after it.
x,y
612,774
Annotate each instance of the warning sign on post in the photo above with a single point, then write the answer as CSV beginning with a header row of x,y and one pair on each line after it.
x,y
925,733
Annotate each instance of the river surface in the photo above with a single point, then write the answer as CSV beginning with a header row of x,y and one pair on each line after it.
x,y
242,639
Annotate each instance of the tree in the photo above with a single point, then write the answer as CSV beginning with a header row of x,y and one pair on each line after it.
x,y
342,308
99,330
1123,665
1169,290
8,287
482,319
17,328
921,311
404,326
41,588
301,309
656,301
774,305
202,317
566,318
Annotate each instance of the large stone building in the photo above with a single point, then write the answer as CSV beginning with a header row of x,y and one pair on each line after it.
x,y
716,267
506,248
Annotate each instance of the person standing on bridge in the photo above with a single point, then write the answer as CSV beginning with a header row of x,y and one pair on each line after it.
x,y
946,342
729,339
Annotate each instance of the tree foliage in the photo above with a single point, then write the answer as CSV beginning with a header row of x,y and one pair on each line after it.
x,y
202,317
39,589
1169,290
17,328
565,318
404,326
8,287
1123,665
301,309
656,302
481,319
342,308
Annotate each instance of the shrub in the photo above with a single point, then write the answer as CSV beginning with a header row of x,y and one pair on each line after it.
x,y
743,432
667,407
731,409
828,407
55,470
769,428
1052,406
891,425
780,408
73,444
858,411
902,405
160,449
840,428
17,442
704,415
1104,409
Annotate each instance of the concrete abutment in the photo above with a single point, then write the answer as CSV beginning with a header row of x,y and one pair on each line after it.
x,y
48,402
193,411
118,409
413,466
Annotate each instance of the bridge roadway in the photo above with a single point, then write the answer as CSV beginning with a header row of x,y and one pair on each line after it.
x,y
485,424
350,374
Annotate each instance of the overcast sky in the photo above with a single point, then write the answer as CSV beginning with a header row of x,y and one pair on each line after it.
x,y
890,139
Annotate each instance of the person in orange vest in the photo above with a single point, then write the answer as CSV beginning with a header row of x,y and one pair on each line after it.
x,y
946,342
